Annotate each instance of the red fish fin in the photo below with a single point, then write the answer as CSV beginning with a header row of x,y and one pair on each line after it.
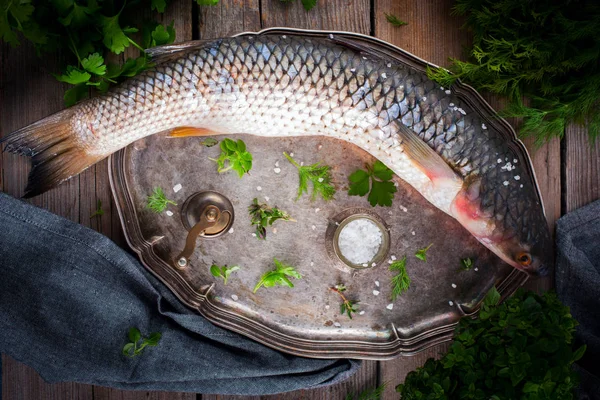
x,y
186,131
56,155
425,158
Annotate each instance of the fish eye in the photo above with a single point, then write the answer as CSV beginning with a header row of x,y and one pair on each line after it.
x,y
524,259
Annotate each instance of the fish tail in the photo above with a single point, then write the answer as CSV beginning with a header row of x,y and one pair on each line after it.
x,y
52,145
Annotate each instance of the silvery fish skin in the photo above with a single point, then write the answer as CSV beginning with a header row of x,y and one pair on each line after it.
x,y
291,85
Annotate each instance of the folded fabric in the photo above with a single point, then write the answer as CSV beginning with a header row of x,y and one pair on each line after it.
x,y
578,286
69,295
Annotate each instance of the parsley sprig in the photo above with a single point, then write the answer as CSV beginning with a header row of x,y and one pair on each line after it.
x,y
158,201
347,306
223,271
401,281
375,180
319,175
279,276
261,216
234,153
137,343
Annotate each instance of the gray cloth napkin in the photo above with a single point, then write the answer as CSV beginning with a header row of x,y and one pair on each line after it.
x,y
68,296
578,286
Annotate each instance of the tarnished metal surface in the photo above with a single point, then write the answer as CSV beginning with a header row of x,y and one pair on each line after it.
x,y
305,320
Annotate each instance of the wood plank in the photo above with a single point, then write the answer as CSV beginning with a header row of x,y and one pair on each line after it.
x,y
581,168
228,18
104,393
20,382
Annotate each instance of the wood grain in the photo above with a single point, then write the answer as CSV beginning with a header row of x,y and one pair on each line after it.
x,y
581,168
104,393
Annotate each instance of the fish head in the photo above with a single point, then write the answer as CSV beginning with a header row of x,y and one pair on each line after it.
x,y
507,218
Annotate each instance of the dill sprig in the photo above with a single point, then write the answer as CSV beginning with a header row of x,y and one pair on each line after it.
x,y
401,281
318,174
261,216
158,201
395,21
546,51
348,306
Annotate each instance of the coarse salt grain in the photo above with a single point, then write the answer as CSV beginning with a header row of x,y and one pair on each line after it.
x,y
267,198
361,313
384,75
169,213
505,183
365,265
234,297
448,92
317,210
373,264
320,180
320,147
274,230
277,170
454,285
393,257
476,269
376,292
517,177
277,163
177,187
312,264
327,307
291,154
390,306
521,185
254,234
259,188
413,233
230,230
337,324
451,302
313,227
377,283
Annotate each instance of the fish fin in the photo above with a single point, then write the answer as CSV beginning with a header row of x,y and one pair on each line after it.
x,y
186,131
56,156
426,159
369,46
160,54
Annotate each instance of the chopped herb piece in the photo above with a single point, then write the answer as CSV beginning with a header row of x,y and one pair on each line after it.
x,y
377,179
279,276
319,175
401,281
99,211
158,201
261,216
137,343
392,19
421,254
466,264
223,272
209,142
235,154
348,306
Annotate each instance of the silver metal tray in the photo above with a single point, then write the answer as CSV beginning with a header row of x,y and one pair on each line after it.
x,y
306,320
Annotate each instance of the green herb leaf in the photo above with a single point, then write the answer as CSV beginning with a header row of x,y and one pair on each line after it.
x,y
309,4
223,272
207,2
159,5
466,264
115,38
209,142
74,94
377,179
421,254
401,281
134,334
73,76
99,211
261,216
132,349
158,201
153,339
235,155
94,64
320,177
492,297
347,306
392,19
278,276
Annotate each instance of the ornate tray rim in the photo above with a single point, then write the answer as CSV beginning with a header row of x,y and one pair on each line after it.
x,y
330,349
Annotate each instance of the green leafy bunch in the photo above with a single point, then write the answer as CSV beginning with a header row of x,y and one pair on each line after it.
x,y
520,349
89,30
158,201
235,154
375,180
545,50
261,216
279,276
223,271
137,343
320,177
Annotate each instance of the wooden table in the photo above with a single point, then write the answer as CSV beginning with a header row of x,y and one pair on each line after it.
x,y
567,170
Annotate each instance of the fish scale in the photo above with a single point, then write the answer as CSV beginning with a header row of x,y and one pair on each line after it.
x,y
290,85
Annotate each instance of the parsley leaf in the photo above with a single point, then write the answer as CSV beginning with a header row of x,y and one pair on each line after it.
x,y
318,174
377,179
279,276
223,272
234,153
94,64
421,254
392,19
261,216
401,281
74,76
132,349
158,201
115,38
